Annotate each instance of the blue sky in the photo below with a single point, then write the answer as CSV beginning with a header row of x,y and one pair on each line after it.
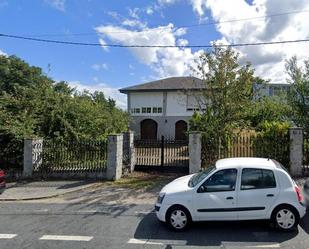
x,y
155,22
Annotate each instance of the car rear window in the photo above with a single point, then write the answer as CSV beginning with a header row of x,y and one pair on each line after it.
x,y
257,179
280,166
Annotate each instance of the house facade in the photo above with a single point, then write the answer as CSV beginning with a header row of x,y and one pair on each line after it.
x,y
164,107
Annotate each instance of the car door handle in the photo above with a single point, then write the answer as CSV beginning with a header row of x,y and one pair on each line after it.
x,y
270,195
230,198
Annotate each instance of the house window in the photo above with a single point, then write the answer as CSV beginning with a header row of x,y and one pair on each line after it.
x,y
148,109
143,109
137,110
159,109
154,110
196,102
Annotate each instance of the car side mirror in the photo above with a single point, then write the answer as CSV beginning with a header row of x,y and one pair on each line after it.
x,y
202,189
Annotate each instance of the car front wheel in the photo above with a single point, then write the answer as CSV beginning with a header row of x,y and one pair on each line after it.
x,y
285,218
178,218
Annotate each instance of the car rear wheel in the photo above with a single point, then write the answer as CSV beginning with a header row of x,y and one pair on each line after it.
x,y
285,218
178,218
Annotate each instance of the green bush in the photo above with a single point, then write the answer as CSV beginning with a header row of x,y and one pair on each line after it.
x,y
272,141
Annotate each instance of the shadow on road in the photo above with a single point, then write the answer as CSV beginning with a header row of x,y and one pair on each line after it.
x,y
304,223
75,184
214,233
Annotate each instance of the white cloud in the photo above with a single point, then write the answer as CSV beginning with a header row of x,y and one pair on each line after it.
x,y
166,2
149,10
133,23
99,67
102,42
199,6
57,4
106,89
268,60
164,61
134,13
3,53
113,14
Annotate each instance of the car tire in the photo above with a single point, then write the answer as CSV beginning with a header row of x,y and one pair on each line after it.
x,y
285,218
178,218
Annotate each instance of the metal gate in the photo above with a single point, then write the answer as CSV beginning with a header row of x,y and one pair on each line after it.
x,y
162,155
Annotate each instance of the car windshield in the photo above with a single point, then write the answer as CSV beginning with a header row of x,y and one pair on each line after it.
x,y
197,178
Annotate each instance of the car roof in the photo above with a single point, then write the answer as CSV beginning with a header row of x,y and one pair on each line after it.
x,y
248,162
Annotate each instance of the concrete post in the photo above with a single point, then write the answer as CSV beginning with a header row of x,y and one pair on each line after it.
x,y
296,151
129,150
195,147
32,155
114,157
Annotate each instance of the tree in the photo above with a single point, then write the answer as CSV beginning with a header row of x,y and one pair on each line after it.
x,y
267,109
228,91
299,92
32,104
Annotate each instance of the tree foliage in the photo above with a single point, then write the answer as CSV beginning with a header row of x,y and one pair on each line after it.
x,y
267,110
32,104
299,92
228,91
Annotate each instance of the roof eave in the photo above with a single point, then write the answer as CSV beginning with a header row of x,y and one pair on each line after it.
x,y
159,90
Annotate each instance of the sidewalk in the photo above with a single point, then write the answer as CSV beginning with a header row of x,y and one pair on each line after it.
x,y
18,191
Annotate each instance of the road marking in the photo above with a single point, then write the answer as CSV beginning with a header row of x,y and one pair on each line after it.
x,y
265,246
67,238
142,242
7,236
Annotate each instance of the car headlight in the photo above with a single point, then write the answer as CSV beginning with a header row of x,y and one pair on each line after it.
x,y
160,198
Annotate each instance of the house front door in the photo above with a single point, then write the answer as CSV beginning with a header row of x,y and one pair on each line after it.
x,y
180,130
149,129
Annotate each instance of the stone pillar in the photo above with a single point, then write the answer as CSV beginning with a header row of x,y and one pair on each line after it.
x,y
195,147
129,150
114,157
32,155
296,151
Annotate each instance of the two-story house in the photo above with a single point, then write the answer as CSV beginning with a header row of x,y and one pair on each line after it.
x,y
162,107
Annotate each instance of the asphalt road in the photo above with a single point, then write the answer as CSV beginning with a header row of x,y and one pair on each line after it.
x,y
78,225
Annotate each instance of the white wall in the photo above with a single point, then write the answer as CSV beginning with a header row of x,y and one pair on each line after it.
x,y
146,99
177,104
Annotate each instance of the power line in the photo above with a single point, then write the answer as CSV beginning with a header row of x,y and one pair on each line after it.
x,y
246,19
150,46
183,26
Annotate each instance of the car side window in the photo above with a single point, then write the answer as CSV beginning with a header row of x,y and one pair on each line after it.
x,y
257,179
223,180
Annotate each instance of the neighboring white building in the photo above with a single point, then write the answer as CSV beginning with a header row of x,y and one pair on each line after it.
x,y
164,107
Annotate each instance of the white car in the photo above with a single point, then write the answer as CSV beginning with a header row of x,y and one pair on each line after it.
x,y
233,189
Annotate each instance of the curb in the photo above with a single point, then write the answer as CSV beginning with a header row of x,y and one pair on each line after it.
x,y
49,196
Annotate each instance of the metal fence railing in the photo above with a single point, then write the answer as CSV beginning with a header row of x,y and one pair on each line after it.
x,y
73,156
